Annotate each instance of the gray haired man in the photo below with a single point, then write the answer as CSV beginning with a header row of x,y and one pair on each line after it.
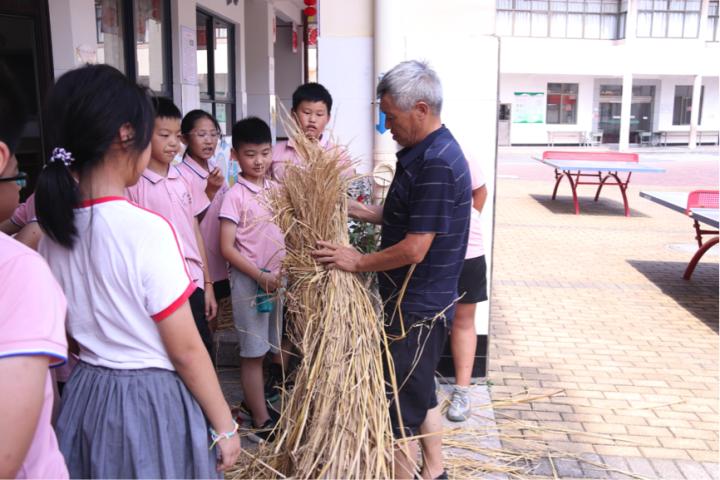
x,y
425,221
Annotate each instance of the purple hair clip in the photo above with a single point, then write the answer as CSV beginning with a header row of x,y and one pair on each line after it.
x,y
59,154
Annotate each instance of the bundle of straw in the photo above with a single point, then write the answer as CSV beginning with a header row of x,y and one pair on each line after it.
x,y
335,422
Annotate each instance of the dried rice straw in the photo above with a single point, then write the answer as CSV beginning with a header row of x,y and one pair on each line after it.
x,y
335,423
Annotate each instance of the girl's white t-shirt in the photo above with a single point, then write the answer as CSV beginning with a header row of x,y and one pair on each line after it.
x,y
475,239
125,273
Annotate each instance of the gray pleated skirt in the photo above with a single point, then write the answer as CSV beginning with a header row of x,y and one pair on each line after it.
x,y
132,424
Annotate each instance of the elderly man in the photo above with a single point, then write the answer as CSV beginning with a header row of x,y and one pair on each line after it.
x,y
425,223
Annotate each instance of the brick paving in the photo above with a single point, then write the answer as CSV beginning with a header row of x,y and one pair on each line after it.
x,y
596,305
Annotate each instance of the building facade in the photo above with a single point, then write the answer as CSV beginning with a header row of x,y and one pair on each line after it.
x,y
628,71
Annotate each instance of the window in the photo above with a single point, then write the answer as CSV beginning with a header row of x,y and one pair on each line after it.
x,y
682,107
712,34
134,37
562,103
599,19
668,18
216,69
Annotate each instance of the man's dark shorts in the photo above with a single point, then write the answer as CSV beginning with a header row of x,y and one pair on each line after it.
x,y
415,358
473,280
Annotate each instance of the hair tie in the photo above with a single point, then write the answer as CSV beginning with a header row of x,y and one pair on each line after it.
x,y
59,154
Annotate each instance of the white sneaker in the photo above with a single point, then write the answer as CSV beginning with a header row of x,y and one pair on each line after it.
x,y
459,410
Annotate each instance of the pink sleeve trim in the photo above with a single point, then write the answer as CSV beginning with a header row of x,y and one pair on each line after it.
x,y
176,304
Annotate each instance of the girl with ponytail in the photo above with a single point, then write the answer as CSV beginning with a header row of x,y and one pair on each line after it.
x,y
139,402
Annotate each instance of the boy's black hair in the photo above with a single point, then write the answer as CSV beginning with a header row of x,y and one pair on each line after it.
x,y
12,109
250,130
311,92
165,108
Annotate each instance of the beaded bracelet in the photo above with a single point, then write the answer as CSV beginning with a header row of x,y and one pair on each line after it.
x,y
216,437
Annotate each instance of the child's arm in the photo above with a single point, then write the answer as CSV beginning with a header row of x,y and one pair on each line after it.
x,y
9,228
267,281
210,301
192,362
30,235
21,410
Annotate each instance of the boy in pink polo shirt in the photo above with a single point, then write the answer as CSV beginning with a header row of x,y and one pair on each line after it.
x,y
32,322
311,106
163,190
254,246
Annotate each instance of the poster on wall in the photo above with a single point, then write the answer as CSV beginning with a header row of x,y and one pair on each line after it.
x,y
529,107
188,55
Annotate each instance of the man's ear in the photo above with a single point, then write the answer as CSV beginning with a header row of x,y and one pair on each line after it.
x,y
4,156
422,108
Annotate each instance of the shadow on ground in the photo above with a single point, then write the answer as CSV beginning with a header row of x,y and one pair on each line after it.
x,y
563,205
699,295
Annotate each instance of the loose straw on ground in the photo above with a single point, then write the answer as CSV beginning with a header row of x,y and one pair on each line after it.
x,y
335,422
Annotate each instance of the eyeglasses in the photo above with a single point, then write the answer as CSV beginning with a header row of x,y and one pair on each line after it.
x,y
203,134
20,179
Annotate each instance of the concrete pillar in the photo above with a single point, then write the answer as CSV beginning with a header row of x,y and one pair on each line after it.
x,y
695,111
288,68
704,8
624,142
79,33
388,50
631,20
260,61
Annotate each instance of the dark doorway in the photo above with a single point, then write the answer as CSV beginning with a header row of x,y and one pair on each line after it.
x,y
25,50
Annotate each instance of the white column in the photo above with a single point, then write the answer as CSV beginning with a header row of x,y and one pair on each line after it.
x,y
704,8
695,110
631,20
624,142
389,50
260,61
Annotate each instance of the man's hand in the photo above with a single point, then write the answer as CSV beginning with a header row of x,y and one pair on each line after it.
x,y
338,256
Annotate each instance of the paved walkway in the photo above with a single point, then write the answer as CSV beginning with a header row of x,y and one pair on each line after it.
x,y
595,305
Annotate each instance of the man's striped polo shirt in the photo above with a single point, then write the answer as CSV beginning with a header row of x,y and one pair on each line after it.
x,y
430,193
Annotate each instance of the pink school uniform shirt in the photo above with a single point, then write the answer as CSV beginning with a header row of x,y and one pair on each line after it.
x,y
284,152
257,238
25,212
32,321
197,176
475,239
179,202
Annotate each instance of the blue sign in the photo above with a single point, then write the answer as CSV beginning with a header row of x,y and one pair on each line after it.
x,y
380,127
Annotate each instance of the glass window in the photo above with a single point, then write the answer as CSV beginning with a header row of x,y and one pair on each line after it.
x,y
216,72
560,18
202,56
150,52
109,24
562,103
711,35
668,18
222,60
682,106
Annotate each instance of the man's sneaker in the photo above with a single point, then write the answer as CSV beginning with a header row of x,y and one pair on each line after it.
x,y
459,410
265,433
242,412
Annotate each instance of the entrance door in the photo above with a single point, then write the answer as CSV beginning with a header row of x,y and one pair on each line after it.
x,y
641,111
504,125
25,51
610,122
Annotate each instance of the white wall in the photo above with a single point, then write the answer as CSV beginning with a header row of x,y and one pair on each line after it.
x,y
425,30
522,133
72,25
345,68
